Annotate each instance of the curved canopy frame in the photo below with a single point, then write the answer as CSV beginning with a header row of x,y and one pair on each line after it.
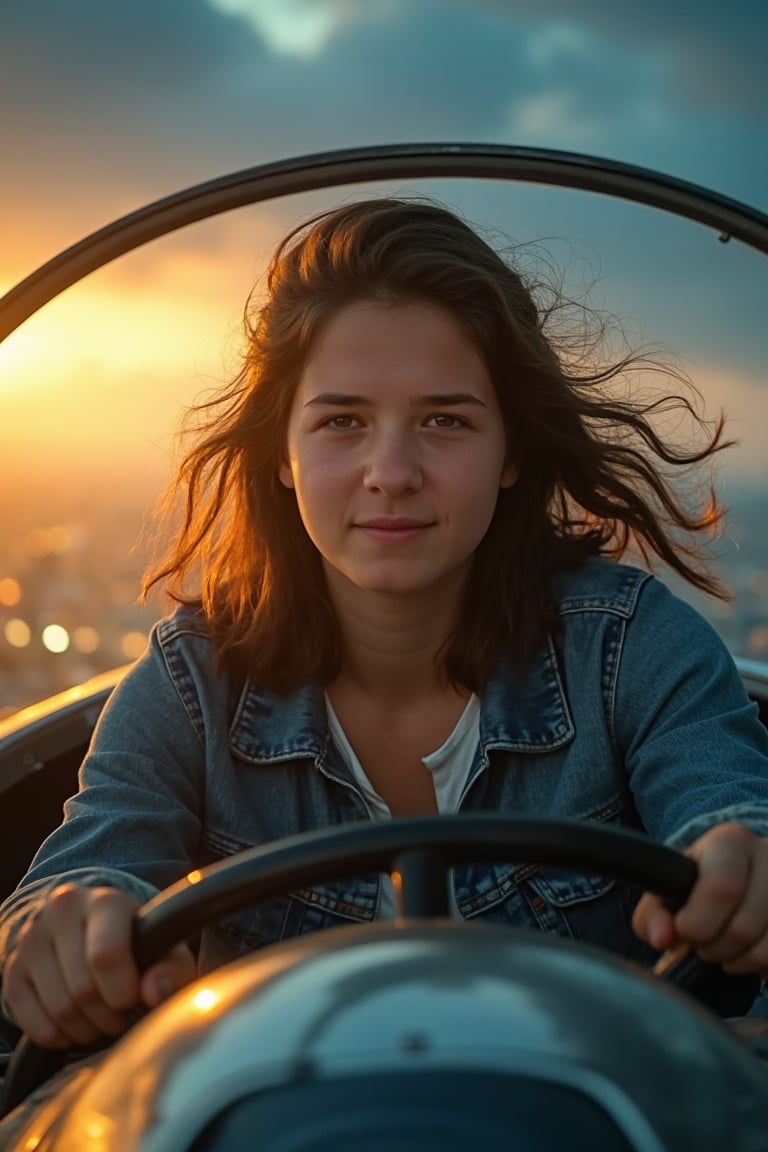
x,y
731,218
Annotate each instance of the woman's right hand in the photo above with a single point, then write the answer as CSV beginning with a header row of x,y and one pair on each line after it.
x,y
71,979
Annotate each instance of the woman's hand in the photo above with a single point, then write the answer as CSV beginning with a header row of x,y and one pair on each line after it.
x,y
71,979
726,917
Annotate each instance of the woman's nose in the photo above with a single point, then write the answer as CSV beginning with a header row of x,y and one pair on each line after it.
x,y
393,465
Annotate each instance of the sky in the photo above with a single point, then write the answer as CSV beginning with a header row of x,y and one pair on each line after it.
x,y
111,104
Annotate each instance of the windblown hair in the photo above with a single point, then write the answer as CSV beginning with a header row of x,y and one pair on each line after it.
x,y
595,469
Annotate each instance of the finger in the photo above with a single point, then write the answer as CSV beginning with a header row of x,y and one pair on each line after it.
x,y
108,949
71,989
724,857
743,946
31,1017
26,1010
61,1017
175,971
653,922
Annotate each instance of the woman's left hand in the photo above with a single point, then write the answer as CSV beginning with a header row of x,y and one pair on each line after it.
x,y
725,919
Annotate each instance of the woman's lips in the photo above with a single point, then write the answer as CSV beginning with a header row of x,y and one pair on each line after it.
x,y
393,531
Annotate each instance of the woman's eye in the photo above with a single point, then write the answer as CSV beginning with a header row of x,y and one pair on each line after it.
x,y
446,420
342,422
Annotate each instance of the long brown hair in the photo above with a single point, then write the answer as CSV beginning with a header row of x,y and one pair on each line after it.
x,y
594,466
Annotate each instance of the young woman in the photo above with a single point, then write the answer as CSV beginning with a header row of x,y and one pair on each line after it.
x,y
398,592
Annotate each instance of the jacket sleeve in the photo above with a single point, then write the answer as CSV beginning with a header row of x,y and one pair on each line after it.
x,y
136,820
694,748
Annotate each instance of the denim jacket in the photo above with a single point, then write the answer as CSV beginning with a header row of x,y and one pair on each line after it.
x,y
632,713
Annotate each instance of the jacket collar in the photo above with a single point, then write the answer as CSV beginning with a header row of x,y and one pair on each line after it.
x,y
525,715
528,714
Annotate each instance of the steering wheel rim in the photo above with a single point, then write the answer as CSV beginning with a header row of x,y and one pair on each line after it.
x,y
327,854
422,850
335,168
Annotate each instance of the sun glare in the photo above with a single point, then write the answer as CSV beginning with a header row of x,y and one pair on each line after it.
x,y
17,353
103,370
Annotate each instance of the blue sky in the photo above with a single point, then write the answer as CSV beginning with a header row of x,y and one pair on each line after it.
x,y
108,104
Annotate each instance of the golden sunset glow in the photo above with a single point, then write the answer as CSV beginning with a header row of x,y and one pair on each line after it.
x,y
104,371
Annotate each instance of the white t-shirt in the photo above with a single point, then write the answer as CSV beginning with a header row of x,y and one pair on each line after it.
x,y
449,766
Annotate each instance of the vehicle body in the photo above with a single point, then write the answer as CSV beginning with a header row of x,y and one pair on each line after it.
x,y
418,1034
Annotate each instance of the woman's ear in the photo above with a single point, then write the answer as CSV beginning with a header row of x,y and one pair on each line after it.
x,y
510,475
285,474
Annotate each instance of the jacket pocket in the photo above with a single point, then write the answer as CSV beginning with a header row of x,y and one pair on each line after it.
x,y
578,906
582,906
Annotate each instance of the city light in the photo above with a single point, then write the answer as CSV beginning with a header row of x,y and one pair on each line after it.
x,y
86,639
17,633
53,541
10,592
133,644
55,638
757,641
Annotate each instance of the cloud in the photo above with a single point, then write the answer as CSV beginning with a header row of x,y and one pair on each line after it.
x,y
115,104
714,53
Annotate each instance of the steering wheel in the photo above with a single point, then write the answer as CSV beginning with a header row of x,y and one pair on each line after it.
x,y
420,851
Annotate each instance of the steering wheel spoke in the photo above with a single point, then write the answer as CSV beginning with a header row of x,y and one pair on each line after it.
x,y
420,879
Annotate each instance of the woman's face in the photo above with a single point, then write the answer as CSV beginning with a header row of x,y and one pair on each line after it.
x,y
396,449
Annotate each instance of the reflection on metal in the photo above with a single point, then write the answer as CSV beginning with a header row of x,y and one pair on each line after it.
x,y
730,218
35,735
754,674
205,1000
357,1004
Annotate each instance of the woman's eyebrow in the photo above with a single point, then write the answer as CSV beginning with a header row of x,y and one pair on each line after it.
x,y
335,399
449,399
438,400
